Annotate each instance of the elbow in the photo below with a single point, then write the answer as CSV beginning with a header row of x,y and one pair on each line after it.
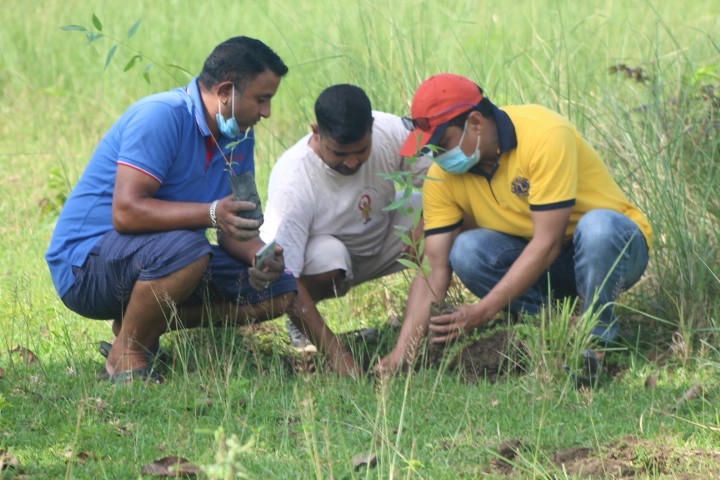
x,y
122,220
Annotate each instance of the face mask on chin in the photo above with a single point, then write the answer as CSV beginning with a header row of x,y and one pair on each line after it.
x,y
228,128
455,160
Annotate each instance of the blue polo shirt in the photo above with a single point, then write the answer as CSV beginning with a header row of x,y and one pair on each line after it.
x,y
165,136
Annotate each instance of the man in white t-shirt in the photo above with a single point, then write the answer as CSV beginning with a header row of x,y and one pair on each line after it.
x,y
327,199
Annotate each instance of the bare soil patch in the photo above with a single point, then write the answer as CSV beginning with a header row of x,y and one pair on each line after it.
x,y
626,458
489,357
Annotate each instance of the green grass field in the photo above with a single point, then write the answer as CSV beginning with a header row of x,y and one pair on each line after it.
x,y
640,79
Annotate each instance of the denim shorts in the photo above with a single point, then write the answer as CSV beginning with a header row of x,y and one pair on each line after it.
x,y
103,284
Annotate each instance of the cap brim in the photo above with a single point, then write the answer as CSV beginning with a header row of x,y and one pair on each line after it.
x,y
413,146
414,143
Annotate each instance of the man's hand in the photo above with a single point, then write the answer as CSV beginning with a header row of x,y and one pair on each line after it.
x,y
344,365
261,279
389,364
228,221
465,318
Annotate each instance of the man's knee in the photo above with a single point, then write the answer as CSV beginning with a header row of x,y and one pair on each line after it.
x,y
604,232
481,248
325,285
281,304
595,227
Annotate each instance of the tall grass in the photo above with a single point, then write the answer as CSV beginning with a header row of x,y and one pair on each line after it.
x,y
660,138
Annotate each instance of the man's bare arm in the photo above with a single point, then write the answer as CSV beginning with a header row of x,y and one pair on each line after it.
x,y
423,291
535,259
136,210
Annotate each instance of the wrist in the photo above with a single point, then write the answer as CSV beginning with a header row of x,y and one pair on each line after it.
x,y
478,315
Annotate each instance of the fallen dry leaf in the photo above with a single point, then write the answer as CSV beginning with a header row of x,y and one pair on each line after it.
x,y
651,380
8,461
27,355
2,372
95,403
81,457
123,429
171,466
361,460
692,393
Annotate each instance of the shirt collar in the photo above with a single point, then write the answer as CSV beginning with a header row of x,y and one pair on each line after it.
x,y
507,140
196,108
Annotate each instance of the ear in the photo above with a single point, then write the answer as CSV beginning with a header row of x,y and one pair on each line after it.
x,y
476,121
224,90
315,129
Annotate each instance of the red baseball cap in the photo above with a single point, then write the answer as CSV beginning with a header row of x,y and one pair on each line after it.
x,y
438,100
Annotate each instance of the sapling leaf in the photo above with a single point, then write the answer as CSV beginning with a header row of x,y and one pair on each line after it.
x,y
134,29
131,62
404,237
110,56
96,23
407,263
397,176
73,28
396,204
146,72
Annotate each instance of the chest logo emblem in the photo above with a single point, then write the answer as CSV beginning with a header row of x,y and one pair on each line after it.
x,y
365,207
520,186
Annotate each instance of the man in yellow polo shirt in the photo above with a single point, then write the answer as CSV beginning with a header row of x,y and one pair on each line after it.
x,y
520,203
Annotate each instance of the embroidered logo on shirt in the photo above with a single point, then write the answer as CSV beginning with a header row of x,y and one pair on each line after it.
x,y
365,207
520,186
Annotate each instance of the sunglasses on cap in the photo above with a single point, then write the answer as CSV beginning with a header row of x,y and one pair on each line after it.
x,y
423,123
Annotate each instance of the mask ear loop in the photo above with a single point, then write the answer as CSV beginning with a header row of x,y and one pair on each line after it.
x,y
462,137
233,102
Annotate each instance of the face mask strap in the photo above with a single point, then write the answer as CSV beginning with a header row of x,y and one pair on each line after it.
x,y
233,101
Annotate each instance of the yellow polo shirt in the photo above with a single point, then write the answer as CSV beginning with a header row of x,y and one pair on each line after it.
x,y
551,167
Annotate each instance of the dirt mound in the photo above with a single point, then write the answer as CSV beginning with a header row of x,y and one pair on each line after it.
x,y
489,357
628,457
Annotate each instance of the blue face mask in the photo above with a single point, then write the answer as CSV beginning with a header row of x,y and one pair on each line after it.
x,y
455,160
229,128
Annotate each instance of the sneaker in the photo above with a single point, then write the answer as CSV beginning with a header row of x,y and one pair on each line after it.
x,y
298,339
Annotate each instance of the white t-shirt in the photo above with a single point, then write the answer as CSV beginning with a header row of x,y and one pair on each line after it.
x,y
307,198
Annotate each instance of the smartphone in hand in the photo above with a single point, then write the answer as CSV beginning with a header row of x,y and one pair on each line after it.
x,y
264,254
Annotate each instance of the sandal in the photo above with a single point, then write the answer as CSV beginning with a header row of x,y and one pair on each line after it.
x,y
157,355
146,374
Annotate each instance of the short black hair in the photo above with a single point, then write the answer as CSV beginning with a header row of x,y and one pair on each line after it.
x,y
239,60
344,113
484,107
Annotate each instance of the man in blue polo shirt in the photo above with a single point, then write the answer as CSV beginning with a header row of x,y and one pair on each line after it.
x,y
130,243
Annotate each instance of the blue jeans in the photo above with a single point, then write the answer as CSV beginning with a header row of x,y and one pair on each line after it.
x,y
607,254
